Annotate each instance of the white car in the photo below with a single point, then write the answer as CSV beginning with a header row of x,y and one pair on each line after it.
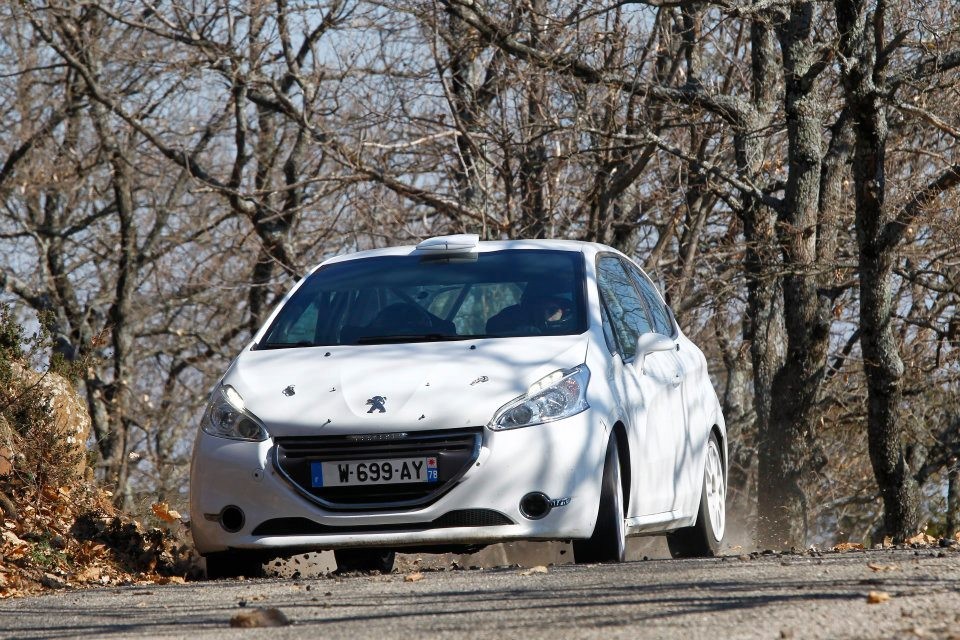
x,y
455,394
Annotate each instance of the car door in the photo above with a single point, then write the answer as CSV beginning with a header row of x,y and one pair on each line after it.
x,y
650,394
687,469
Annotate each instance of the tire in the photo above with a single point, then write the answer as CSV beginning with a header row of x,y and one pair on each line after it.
x,y
233,564
365,560
609,540
703,539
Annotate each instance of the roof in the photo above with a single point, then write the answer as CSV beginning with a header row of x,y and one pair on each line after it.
x,y
484,246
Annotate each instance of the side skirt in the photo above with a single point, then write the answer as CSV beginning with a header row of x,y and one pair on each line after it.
x,y
656,523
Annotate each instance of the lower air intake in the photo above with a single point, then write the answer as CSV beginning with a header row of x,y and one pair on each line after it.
x,y
457,518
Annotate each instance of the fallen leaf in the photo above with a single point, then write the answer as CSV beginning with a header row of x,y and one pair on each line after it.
x,y
876,597
11,537
887,542
882,567
169,580
90,574
163,511
260,618
413,577
956,536
18,552
921,538
848,546
533,570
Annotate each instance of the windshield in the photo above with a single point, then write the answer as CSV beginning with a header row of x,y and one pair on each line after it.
x,y
419,298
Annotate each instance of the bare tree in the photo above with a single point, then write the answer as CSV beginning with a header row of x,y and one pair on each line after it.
x,y
871,37
171,168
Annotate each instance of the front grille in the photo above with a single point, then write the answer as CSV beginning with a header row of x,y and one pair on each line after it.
x,y
457,518
454,449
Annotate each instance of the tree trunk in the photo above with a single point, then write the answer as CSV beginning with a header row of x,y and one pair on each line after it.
x,y
763,330
890,454
953,498
783,453
533,155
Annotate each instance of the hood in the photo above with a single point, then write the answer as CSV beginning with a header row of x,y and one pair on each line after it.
x,y
419,386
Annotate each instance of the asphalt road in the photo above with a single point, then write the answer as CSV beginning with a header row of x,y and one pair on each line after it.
x,y
772,596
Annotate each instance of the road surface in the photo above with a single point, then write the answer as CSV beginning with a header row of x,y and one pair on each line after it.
x,y
764,596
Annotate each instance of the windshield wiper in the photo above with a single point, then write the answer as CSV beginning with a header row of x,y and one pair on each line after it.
x,y
286,345
417,337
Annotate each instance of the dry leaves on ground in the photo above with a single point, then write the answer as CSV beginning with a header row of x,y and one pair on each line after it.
x,y
921,538
876,597
68,537
882,567
848,546
413,577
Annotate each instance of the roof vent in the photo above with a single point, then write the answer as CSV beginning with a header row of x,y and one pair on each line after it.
x,y
460,243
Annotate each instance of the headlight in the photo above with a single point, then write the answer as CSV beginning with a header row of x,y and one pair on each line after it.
x,y
559,395
226,417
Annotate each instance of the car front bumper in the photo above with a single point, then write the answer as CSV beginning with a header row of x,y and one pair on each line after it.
x,y
563,460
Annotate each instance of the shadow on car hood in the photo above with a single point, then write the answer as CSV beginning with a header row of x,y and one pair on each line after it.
x,y
342,389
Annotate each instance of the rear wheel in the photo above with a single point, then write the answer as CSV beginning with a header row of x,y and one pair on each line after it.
x,y
609,540
366,560
703,539
233,564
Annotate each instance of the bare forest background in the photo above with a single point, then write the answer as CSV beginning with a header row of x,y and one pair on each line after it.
x,y
787,170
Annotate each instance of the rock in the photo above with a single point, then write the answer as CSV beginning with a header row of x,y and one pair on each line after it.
x,y
260,618
67,409
534,570
51,581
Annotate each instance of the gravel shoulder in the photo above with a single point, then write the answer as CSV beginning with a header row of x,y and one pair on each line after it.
x,y
758,596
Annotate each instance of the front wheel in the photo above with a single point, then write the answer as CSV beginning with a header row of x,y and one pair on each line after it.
x,y
365,560
703,538
609,540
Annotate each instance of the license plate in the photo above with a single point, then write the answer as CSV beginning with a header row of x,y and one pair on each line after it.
x,y
372,472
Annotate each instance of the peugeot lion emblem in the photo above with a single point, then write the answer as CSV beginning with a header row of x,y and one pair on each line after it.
x,y
376,404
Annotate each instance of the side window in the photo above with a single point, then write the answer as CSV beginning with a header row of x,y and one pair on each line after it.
x,y
658,310
608,330
627,314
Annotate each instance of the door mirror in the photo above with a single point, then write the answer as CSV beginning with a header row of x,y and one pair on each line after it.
x,y
648,343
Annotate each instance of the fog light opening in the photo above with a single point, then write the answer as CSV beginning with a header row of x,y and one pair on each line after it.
x,y
232,519
535,505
